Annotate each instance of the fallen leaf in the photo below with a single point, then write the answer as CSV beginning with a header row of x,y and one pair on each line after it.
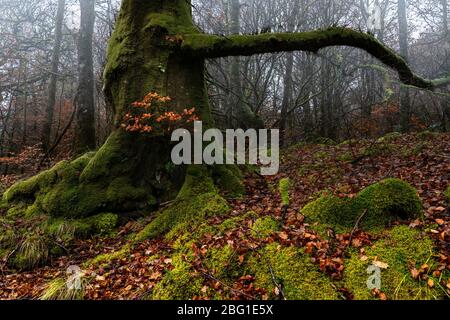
x,y
283,235
415,273
380,264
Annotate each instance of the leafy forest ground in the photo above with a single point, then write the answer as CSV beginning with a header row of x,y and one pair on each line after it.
x,y
302,259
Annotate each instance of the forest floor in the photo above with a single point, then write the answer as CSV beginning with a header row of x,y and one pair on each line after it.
x,y
423,160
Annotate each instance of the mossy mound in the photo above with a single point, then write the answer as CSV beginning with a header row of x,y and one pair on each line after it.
x,y
294,271
265,227
401,249
447,194
376,207
223,262
180,283
197,200
64,191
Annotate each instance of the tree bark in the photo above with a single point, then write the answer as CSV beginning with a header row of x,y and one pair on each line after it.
x,y
445,104
47,127
85,112
287,96
405,101
241,114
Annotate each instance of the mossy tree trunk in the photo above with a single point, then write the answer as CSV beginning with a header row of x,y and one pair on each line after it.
x,y
156,48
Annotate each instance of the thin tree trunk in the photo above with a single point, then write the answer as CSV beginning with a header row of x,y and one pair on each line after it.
x,y
242,115
47,128
85,103
445,104
405,100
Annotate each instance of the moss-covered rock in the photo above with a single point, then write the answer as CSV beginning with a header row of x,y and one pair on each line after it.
x,y
376,206
401,249
331,210
264,227
292,269
387,201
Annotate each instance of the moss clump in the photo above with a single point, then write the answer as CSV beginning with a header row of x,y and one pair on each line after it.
x,y
378,149
265,227
331,210
402,249
222,262
180,283
325,141
390,137
184,213
426,135
284,191
229,179
386,201
378,205
447,194
293,270
197,200
103,223
106,258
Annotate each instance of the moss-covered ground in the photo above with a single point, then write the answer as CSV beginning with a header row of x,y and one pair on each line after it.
x,y
312,236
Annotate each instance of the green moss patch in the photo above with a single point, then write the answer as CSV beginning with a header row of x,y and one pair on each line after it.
x,y
265,227
197,200
229,180
376,206
401,249
284,191
294,271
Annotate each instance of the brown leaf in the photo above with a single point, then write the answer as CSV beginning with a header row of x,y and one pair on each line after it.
x,y
283,235
415,273
380,264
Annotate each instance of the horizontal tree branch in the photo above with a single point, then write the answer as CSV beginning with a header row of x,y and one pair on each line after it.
x,y
213,46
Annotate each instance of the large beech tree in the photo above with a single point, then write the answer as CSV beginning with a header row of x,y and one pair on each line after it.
x,y
156,47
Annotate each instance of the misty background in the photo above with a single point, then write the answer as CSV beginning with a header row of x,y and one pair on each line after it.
x,y
47,48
